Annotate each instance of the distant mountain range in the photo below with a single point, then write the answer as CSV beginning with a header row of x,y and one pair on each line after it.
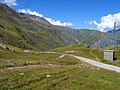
x,y
93,38
33,32
114,31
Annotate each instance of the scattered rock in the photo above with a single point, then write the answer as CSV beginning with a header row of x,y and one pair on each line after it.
x,y
27,51
62,56
21,73
48,76
72,51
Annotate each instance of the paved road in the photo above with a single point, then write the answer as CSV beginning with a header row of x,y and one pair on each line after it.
x,y
98,64
92,62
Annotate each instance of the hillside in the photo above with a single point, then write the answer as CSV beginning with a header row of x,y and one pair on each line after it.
x,y
36,55
90,38
33,32
91,53
22,31
93,38
114,35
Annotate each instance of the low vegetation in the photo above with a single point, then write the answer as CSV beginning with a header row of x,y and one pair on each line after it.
x,y
19,30
81,50
43,71
21,68
91,53
116,62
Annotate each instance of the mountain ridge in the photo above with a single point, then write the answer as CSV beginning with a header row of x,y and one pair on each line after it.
x,y
32,32
23,32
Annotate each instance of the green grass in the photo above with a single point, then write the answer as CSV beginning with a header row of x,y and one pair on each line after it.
x,y
11,58
80,50
91,53
72,77
25,33
116,62
58,73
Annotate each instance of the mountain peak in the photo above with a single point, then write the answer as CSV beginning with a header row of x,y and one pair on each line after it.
x,y
39,19
7,10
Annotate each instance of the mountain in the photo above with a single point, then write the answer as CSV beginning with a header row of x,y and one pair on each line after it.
x,y
93,38
40,20
113,31
29,32
90,38
32,32
114,35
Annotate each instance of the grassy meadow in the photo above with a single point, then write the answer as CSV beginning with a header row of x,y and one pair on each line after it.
x,y
45,71
91,53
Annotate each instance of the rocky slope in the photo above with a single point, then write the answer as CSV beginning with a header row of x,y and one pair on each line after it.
x,y
26,32
93,38
90,38
33,32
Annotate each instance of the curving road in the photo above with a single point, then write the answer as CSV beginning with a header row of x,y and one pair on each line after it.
x,y
98,64
90,61
93,62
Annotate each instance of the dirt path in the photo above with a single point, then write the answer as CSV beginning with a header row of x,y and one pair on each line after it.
x,y
16,68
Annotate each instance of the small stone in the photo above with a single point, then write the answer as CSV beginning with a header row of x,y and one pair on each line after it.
x,y
21,73
48,75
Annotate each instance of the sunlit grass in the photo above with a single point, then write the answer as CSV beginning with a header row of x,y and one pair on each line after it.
x,y
18,71
72,77
91,53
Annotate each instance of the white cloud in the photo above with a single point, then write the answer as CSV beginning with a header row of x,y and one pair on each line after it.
x,y
58,22
10,2
22,11
107,22
52,21
28,11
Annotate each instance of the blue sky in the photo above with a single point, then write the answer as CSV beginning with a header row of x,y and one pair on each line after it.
x,y
94,14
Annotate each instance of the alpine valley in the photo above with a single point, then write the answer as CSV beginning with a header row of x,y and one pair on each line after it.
x,y
36,33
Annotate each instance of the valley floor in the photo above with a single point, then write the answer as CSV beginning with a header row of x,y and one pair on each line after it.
x,y
52,71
